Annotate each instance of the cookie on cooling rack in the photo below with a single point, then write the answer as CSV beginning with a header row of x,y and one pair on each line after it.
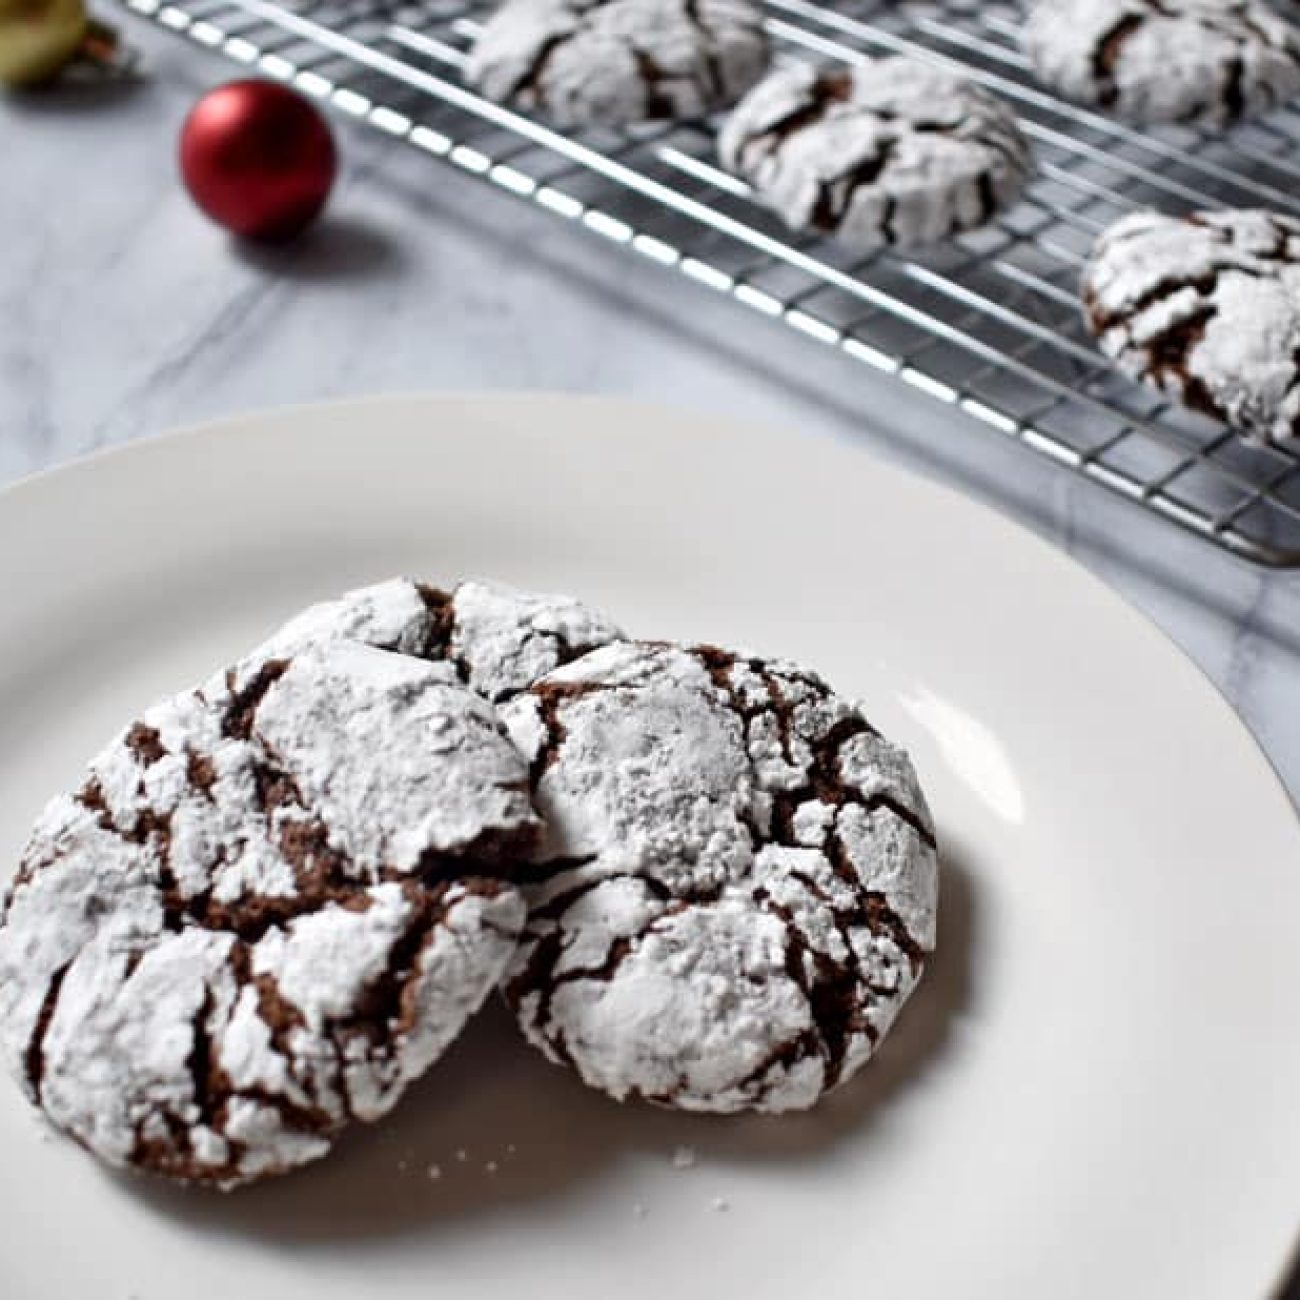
x,y
743,878
1205,308
1212,61
613,62
266,910
892,152
498,640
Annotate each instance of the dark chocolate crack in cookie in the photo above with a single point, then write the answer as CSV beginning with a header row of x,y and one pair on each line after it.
x,y
612,62
1212,61
1205,308
496,640
736,888
894,152
271,905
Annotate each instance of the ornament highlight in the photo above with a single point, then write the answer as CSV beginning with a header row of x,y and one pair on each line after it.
x,y
258,159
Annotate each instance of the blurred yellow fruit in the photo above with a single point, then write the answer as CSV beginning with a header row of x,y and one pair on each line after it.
x,y
38,38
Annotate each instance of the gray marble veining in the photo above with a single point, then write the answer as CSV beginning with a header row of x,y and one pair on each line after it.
x,y
125,313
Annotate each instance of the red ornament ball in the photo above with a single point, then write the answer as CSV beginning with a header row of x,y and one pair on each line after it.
x,y
258,159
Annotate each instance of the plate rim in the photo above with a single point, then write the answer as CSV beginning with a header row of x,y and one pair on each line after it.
x,y
957,503
992,514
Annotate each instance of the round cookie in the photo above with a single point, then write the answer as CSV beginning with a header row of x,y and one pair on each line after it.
x,y
1206,309
497,640
1213,61
265,911
737,882
893,152
613,62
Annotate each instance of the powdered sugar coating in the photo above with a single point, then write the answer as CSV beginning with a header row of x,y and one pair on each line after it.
x,y
496,639
263,913
612,62
740,879
1206,309
891,152
1165,60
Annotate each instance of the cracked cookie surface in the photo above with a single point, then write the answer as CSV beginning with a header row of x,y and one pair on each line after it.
x,y
497,640
1213,61
269,907
736,888
1206,309
894,152
613,62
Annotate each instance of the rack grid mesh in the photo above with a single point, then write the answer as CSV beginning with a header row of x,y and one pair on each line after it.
x,y
988,322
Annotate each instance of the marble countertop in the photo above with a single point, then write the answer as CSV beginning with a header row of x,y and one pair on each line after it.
x,y
125,313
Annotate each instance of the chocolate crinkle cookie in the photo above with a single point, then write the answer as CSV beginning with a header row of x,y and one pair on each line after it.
x,y
613,62
736,887
271,904
894,152
1205,308
1212,61
496,639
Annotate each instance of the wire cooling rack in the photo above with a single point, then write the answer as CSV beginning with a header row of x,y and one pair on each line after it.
x,y
988,322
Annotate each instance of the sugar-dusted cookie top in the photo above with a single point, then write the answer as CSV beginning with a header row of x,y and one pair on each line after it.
x,y
612,62
497,639
1206,308
1165,60
270,905
893,152
736,888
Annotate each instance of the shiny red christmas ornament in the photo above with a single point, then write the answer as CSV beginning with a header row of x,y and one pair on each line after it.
x,y
258,159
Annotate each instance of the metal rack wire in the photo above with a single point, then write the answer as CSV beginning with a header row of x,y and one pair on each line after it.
x,y
988,323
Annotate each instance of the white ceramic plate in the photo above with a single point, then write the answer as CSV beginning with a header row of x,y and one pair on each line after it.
x,y
1096,1091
